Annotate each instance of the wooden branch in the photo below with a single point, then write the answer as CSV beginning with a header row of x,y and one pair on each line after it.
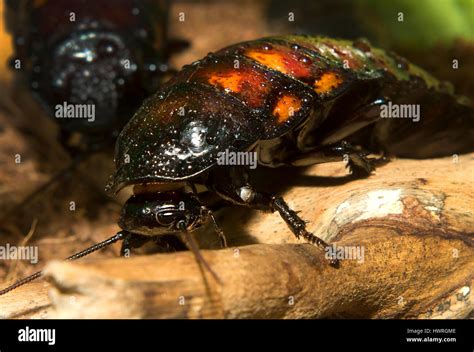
x,y
264,281
412,219
172,286
30,301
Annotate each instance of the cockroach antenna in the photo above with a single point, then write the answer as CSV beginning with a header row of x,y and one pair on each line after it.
x,y
192,245
187,239
119,236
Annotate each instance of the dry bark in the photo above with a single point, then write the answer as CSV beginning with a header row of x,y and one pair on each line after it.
x,y
413,219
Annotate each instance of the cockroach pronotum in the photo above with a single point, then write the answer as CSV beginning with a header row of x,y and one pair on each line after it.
x,y
296,101
88,56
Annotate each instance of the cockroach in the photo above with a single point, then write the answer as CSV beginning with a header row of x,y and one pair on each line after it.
x,y
96,57
108,54
295,101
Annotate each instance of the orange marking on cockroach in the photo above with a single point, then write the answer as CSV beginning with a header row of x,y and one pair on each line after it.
x,y
286,107
327,82
275,61
229,81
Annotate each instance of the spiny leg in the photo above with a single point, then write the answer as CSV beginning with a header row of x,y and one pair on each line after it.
x,y
218,230
231,183
295,223
357,161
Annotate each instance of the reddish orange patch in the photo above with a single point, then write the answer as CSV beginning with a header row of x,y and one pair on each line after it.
x,y
275,61
286,107
229,81
327,82
284,60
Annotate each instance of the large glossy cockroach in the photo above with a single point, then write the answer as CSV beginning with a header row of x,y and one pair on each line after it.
x,y
294,100
89,63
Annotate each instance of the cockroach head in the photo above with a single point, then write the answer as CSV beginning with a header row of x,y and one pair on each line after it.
x,y
153,214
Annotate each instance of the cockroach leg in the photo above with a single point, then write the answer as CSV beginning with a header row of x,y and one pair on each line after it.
x,y
132,240
298,225
232,184
218,230
357,161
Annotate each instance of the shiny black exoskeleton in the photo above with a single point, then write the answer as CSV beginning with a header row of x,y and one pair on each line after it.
x,y
293,101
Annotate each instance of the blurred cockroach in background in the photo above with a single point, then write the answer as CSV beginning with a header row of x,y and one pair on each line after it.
x,y
89,64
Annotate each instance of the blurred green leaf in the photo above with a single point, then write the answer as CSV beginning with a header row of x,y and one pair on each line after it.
x,y
425,22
